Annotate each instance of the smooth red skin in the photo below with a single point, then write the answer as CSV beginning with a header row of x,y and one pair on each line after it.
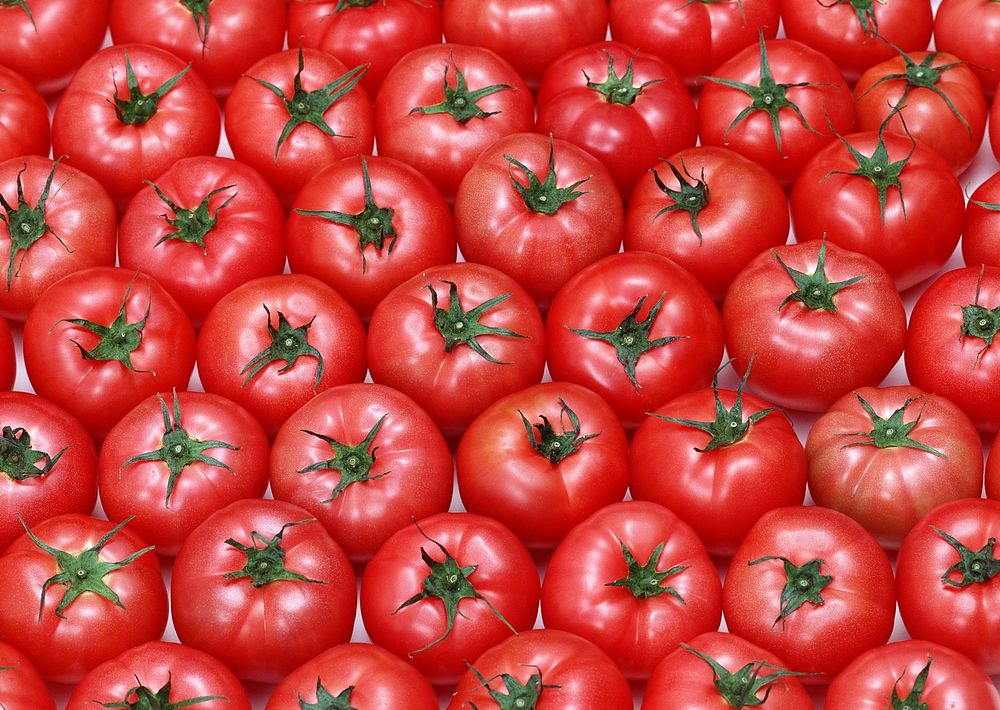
x,y
922,224
262,634
530,34
682,681
541,252
247,242
981,232
377,678
747,213
118,155
65,33
599,297
502,476
406,350
421,219
382,33
807,359
412,458
953,680
971,28
8,361
71,485
255,117
824,107
636,633
966,620
436,144
995,128
940,359
140,488
78,210
928,118
239,33
235,331
627,139
191,673
889,490
24,117
94,629
575,674
504,575
20,684
993,470
96,392
694,37
723,492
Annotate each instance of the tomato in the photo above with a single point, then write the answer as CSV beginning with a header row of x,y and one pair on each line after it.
x,y
273,343
712,213
995,128
365,226
131,112
916,674
636,329
971,29
20,684
821,321
77,591
538,217
221,38
8,361
993,470
366,461
720,670
441,106
777,104
55,220
625,107
883,195
48,464
810,585
24,117
295,112
694,37
262,587
101,340
947,581
206,226
446,589
160,674
981,231
543,669
949,346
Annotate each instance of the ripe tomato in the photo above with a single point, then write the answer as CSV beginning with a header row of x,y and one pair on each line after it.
x,y
8,361
981,232
24,117
995,128
20,684
971,29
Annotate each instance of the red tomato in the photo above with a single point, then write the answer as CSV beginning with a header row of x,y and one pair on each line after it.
x,y
776,103
206,226
273,343
24,117
993,470
809,584
949,346
262,587
78,591
981,232
971,29
543,669
715,213
20,684
995,128
625,107
364,227
131,112
446,589
101,340
537,216
8,361
948,583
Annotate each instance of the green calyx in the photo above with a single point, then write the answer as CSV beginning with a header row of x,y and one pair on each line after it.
x,y
373,224
691,197
22,4
814,290
266,564
348,4
459,102
199,12
643,580
544,197
138,108
555,447
631,338
619,89
979,321
912,700
865,12
354,463
288,344
974,567
804,584
740,689
518,695
891,432
987,205
325,700
460,327
142,698
192,226
18,461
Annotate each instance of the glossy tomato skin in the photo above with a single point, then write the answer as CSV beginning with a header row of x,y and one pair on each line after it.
x,y
93,628
574,673
119,154
600,298
981,232
859,602
262,631
99,392
971,29
745,212
503,575
20,684
423,231
8,361
409,474
24,117
498,227
993,470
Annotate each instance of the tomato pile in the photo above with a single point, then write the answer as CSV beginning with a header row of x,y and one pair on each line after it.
x,y
605,354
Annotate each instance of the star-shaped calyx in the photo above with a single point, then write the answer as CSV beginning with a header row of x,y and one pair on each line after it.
x,y
974,566
815,291
192,226
19,461
619,89
891,432
354,462
460,327
912,701
555,447
460,102
288,344
325,700
740,688
865,12
979,321
644,580
545,196
266,565
691,197
140,697
199,13
804,583
139,108
518,695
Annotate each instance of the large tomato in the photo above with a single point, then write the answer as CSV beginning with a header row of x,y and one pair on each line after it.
x,y
8,357
20,684
24,117
971,29
981,232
